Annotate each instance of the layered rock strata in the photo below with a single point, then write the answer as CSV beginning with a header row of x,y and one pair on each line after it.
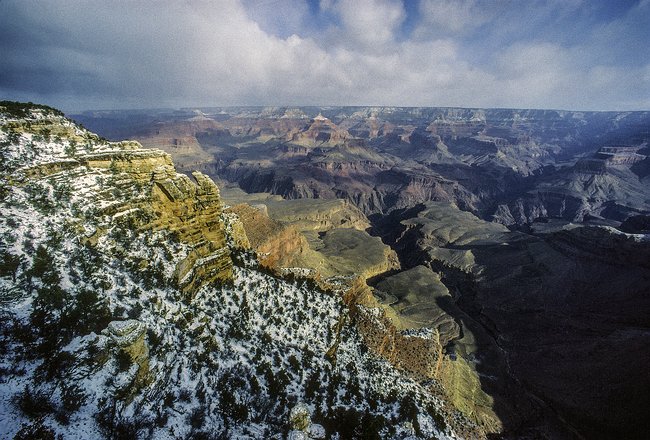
x,y
148,193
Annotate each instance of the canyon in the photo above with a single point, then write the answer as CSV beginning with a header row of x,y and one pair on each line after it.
x,y
137,303
504,240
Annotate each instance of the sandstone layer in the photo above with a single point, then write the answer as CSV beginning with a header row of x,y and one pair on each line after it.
x,y
311,241
148,194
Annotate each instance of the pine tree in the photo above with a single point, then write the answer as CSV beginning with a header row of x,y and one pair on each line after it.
x,y
240,327
50,302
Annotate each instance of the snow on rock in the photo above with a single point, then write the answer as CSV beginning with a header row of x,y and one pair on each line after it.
x,y
300,417
86,279
297,435
317,431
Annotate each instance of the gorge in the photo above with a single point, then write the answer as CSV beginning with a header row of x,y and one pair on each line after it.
x,y
353,272
506,224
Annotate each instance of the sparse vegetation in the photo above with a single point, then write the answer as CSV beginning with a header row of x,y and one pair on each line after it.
x,y
229,359
23,109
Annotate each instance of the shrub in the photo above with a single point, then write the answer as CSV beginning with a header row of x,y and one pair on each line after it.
x,y
123,360
72,397
55,364
185,395
437,418
34,403
36,430
153,338
196,418
9,264
313,384
22,109
409,411
294,363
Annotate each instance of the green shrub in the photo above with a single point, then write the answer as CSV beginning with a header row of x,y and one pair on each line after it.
x,y
123,360
72,397
36,430
34,403
22,109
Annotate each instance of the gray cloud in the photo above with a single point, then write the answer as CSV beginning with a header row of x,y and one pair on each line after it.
x,y
93,54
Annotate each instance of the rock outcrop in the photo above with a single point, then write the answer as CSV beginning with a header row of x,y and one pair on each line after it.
x,y
317,246
318,214
424,354
148,193
602,185
129,337
382,159
117,327
526,312
173,203
320,131
418,298
301,425
193,212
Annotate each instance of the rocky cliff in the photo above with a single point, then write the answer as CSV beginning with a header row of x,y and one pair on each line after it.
x,y
512,310
602,185
321,238
148,193
124,316
488,161
402,321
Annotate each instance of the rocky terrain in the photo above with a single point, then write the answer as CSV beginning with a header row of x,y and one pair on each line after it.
x,y
510,165
512,273
562,309
134,305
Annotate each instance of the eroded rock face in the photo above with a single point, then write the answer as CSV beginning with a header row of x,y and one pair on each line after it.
x,y
318,214
193,212
235,231
126,235
416,295
355,253
130,336
424,355
300,417
322,236
189,210
606,185
320,131
533,312
277,245
382,159
148,194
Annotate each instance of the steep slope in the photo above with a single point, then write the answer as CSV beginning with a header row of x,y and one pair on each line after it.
x,y
502,322
129,312
325,239
555,324
601,185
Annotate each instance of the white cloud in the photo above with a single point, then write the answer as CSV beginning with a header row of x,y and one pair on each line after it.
x,y
166,53
455,16
367,23
279,17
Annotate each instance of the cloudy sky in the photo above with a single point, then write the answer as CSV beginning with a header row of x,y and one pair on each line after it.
x,y
563,54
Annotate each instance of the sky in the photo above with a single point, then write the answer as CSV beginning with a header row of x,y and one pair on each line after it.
x,y
120,54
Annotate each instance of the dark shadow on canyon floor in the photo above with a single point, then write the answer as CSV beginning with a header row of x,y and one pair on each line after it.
x,y
559,328
565,330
